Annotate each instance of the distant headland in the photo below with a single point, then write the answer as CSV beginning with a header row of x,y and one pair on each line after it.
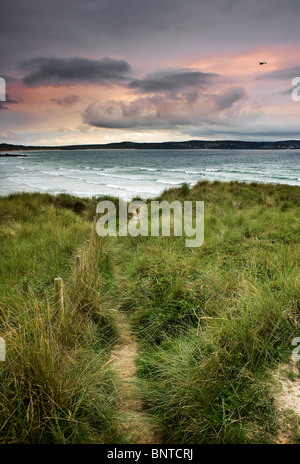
x,y
186,145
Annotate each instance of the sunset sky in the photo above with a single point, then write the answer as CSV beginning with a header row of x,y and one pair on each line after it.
x,y
148,70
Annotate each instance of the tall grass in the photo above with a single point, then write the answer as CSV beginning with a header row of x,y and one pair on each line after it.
x,y
57,385
214,321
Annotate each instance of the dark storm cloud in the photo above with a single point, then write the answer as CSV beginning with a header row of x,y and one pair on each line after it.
x,y
142,28
62,71
167,100
150,34
171,81
67,102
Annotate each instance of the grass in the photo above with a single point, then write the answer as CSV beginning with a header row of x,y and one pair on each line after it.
x,y
57,385
213,323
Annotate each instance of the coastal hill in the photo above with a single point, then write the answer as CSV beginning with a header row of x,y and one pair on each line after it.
x,y
191,144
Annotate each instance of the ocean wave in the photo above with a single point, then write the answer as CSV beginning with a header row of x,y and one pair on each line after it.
x,y
170,182
113,186
132,189
194,173
185,171
25,168
237,171
84,174
115,168
116,176
80,194
92,182
62,172
270,176
33,186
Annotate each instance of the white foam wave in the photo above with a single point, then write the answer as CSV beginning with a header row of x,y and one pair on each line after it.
x,y
170,182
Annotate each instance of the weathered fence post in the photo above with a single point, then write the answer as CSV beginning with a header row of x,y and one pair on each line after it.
x,y
78,263
59,294
2,349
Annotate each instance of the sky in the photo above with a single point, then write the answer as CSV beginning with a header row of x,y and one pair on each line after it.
x,y
101,71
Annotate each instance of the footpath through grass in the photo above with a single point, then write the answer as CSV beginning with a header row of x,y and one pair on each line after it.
x,y
213,324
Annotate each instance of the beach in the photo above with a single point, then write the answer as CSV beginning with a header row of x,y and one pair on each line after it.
x,y
142,173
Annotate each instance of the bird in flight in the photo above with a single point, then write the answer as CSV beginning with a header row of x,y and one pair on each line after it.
x,y
262,62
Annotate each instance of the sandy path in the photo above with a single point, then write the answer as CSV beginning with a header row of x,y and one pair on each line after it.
x,y
133,418
287,399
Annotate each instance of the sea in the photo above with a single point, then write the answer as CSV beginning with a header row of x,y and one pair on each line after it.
x,y
141,173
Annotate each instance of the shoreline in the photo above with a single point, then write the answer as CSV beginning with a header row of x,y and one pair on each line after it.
x,y
143,173
166,191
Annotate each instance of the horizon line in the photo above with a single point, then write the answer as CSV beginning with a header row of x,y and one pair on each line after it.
x,y
7,146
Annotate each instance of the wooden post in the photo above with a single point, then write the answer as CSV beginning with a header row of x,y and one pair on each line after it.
x,y
2,349
78,263
59,294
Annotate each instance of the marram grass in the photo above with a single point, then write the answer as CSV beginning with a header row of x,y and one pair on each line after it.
x,y
213,323
57,385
